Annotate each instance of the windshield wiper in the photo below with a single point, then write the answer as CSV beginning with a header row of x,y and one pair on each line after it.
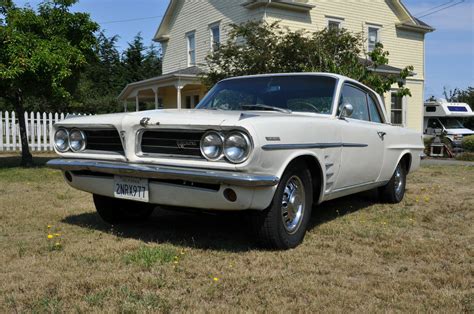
x,y
265,107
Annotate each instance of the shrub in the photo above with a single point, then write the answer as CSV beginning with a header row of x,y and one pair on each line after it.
x,y
465,157
468,143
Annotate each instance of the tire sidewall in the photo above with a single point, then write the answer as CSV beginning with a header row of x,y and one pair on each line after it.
x,y
400,197
286,239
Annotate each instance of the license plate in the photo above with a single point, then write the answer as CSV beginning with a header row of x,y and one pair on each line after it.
x,y
129,188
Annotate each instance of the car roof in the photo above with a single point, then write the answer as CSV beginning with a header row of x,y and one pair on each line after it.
x,y
333,75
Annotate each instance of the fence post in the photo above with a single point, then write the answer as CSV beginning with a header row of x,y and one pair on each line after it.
x,y
1,132
51,135
45,134
32,133
38,129
14,130
7,130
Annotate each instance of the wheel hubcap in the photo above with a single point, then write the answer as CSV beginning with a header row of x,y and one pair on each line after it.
x,y
293,204
398,181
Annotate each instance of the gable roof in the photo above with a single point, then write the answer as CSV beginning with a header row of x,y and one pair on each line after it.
x,y
407,20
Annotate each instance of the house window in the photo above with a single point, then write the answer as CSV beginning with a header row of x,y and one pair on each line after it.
x,y
191,38
397,117
373,37
215,36
334,23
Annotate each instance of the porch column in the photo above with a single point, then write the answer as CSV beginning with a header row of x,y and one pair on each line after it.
x,y
178,97
155,90
137,103
125,105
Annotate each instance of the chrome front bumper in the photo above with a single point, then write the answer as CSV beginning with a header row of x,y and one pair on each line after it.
x,y
165,173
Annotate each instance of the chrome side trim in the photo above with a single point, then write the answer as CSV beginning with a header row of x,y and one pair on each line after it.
x,y
310,146
165,172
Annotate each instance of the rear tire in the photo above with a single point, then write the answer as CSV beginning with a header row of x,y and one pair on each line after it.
x,y
283,224
116,211
394,191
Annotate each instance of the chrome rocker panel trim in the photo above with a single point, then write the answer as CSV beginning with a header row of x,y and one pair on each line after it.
x,y
165,172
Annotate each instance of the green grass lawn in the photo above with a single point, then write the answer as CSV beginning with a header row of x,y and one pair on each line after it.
x,y
358,255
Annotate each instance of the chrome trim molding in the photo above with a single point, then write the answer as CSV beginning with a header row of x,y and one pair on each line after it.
x,y
359,186
310,146
165,172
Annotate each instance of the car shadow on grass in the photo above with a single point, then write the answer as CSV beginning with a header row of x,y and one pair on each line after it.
x,y
223,231
10,161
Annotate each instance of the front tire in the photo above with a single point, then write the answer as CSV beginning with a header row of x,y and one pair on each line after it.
x,y
394,191
116,211
283,224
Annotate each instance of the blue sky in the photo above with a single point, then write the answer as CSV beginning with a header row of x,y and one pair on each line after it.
x,y
449,50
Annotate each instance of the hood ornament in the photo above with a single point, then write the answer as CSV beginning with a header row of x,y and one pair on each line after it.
x,y
144,122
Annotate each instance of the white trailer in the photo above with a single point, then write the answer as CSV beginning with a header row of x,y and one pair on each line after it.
x,y
446,116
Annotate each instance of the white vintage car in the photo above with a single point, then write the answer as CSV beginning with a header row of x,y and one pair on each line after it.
x,y
271,145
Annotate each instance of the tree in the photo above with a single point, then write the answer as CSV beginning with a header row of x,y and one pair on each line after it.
x,y
141,62
42,54
257,48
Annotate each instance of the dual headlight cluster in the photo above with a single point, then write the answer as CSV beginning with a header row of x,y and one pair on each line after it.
x,y
74,140
235,146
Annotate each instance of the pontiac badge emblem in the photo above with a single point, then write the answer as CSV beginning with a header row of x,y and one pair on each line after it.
x,y
144,122
183,144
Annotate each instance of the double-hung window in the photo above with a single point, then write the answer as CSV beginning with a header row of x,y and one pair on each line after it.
x,y
397,116
373,37
191,41
334,23
215,36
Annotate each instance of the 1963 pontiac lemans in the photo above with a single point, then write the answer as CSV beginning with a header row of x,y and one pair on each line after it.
x,y
272,145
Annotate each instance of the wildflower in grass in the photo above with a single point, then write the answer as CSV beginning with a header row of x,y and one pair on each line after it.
x,y
57,235
49,226
50,236
215,279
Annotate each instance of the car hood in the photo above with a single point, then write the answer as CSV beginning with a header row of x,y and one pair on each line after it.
x,y
171,117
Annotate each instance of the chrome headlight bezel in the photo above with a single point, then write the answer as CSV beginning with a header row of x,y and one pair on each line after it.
x,y
83,140
65,139
247,148
220,146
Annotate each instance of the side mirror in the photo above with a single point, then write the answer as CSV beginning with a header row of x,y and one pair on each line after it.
x,y
346,111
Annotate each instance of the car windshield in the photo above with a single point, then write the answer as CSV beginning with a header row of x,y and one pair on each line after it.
x,y
300,93
451,123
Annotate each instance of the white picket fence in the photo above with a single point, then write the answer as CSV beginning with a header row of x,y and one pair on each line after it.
x,y
39,128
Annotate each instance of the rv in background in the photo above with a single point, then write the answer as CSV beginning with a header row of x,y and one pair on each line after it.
x,y
447,117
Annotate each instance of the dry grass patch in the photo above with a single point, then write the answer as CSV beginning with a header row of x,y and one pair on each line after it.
x,y
358,255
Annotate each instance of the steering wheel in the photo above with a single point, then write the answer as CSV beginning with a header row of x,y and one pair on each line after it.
x,y
304,104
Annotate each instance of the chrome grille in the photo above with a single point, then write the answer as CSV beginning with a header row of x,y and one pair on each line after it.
x,y
104,140
172,142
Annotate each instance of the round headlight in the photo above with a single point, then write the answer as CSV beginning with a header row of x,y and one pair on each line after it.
x,y
212,145
61,140
237,147
77,140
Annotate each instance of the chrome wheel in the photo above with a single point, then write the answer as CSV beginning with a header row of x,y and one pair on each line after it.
x,y
398,181
293,204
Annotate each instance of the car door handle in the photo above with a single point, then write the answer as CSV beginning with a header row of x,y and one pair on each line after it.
x,y
382,135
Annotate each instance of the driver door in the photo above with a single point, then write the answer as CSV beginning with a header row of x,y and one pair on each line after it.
x,y
362,144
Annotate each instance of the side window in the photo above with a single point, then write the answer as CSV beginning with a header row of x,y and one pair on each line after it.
x,y
375,115
358,99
